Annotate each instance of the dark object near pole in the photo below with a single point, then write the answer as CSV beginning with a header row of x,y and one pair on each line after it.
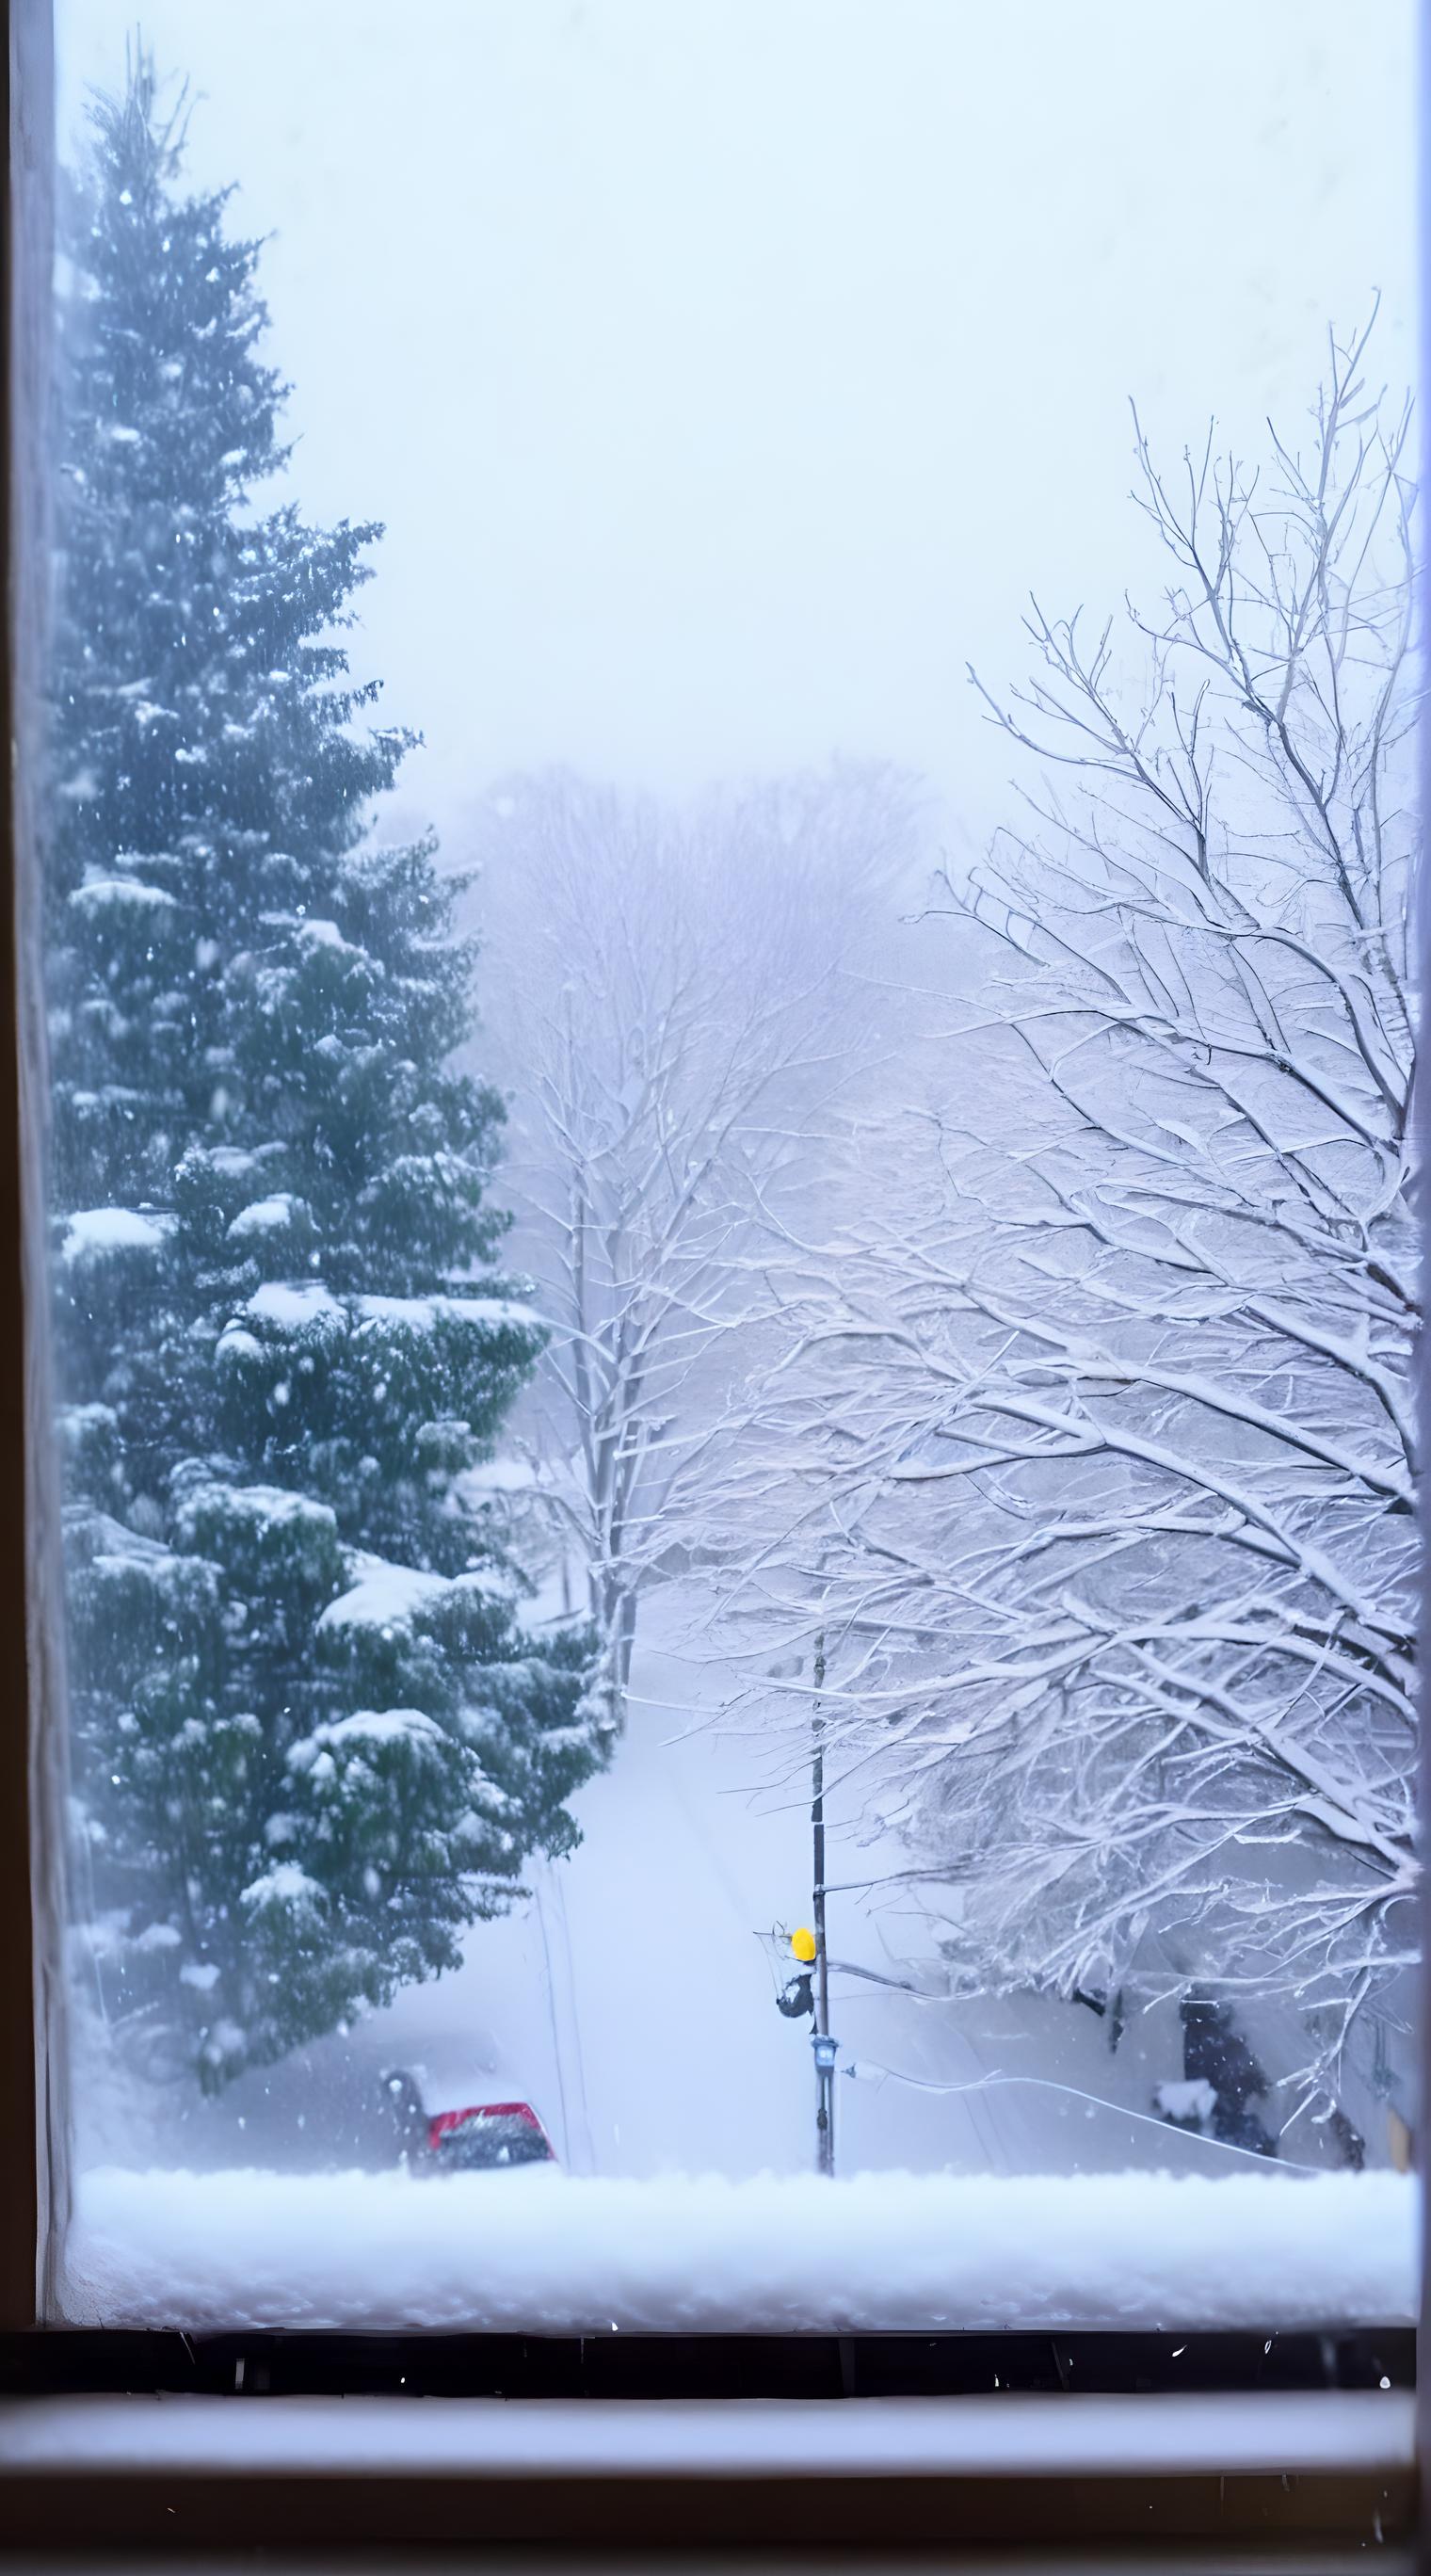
x,y
796,1997
1215,2052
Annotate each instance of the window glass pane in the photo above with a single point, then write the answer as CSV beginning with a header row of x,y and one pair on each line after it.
x,y
730,804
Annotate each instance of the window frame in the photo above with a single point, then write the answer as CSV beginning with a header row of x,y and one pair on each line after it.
x,y
224,2502
29,1792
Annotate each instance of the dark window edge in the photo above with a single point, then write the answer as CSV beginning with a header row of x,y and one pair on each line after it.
x,y
74,2361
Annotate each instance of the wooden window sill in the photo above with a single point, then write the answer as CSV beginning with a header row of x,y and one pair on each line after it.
x,y
855,2473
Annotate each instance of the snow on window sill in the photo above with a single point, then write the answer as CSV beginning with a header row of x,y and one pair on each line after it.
x,y
539,2251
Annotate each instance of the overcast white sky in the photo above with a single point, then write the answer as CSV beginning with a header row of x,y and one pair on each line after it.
x,y
727,371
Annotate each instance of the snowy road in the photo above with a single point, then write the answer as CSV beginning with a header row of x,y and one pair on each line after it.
x,y
633,2003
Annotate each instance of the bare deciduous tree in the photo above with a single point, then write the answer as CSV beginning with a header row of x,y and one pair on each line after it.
x,y
678,1009
1102,1429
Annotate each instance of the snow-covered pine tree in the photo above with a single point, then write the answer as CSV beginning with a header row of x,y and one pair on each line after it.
x,y
312,1742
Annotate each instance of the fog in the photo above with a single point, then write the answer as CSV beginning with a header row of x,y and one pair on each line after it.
x,y
727,372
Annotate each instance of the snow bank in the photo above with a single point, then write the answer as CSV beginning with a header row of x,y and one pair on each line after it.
x,y
545,2252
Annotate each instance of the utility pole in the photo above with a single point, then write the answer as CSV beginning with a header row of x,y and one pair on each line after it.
x,y
821,2042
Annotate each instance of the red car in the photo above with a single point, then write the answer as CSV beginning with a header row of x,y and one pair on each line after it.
x,y
488,2133
474,2139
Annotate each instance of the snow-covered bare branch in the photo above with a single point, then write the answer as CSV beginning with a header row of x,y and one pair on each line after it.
x,y
677,1005
1098,1424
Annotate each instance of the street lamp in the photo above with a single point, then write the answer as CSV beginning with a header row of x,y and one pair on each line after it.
x,y
809,1991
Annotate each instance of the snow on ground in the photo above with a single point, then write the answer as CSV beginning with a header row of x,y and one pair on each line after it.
x,y
632,2002
988,2161
542,2251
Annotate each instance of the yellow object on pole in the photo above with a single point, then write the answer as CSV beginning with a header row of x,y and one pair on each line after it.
x,y
803,1945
